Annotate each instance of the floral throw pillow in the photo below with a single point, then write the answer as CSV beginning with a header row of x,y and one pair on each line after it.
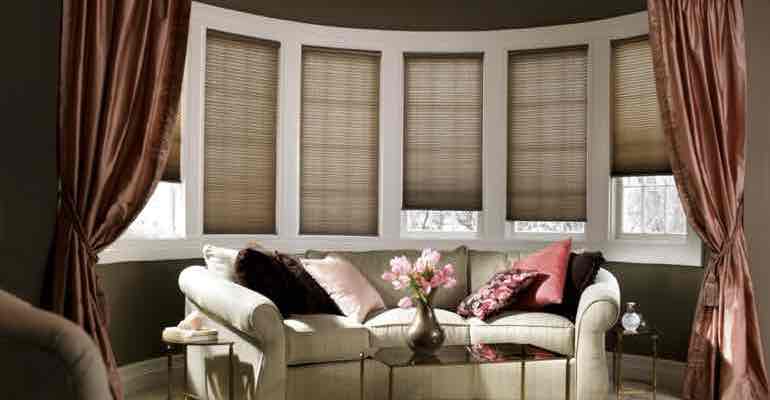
x,y
497,294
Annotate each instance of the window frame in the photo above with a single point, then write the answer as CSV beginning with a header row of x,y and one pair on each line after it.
x,y
494,231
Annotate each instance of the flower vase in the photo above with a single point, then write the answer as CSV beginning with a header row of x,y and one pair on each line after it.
x,y
425,335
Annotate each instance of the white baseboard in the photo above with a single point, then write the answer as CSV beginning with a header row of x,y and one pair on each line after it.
x,y
149,374
639,368
152,373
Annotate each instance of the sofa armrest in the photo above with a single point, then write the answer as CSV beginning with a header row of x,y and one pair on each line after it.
x,y
597,313
235,305
252,322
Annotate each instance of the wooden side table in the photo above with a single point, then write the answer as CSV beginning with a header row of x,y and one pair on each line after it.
x,y
172,346
617,359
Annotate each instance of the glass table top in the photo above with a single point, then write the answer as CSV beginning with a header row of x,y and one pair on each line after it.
x,y
460,355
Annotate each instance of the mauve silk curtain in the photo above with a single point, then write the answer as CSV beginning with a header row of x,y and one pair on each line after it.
x,y
700,69
120,75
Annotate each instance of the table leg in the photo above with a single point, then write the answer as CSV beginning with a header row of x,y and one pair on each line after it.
x,y
566,382
654,367
232,373
184,372
361,376
168,369
615,362
619,351
523,390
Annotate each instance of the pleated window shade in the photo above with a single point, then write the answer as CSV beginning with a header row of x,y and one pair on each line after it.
x,y
241,94
547,134
442,132
638,143
172,173
339,142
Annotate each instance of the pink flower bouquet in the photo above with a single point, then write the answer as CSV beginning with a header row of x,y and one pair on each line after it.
x,y
420,279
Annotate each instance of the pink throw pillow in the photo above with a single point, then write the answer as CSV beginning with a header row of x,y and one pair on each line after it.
x,y
345,284
551,262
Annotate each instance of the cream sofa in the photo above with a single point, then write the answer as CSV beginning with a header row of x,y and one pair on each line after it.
x,y
316,356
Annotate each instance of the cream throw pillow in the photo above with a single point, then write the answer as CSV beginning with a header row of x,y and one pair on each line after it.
x,y
221,260
349,289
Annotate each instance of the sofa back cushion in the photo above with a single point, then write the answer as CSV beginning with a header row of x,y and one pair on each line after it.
x,y
373,263
484,263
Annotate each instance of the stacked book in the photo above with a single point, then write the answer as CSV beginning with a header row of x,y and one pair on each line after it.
x,y
181,335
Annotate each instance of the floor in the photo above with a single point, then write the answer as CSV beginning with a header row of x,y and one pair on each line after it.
x,y
160,394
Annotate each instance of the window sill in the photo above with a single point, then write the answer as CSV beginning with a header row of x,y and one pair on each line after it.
x,y
679,251
132,250
688,253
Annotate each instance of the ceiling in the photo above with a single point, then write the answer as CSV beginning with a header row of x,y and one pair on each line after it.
x,y
436,15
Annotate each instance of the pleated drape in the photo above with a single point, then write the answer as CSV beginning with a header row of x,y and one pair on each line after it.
x,y
120,75
700,68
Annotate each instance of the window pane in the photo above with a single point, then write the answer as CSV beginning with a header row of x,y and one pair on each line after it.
x,y
654,210
549,227
632,210
158,217
676,222
440,221
650,205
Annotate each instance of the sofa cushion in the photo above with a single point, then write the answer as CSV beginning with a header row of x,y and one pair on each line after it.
x,y
221,261
388,329
349,289
552,262
315,338
549,331
482,264
502,290
373,263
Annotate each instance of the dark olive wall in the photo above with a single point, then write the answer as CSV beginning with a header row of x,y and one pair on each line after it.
x,y
144,298
666,297
29,37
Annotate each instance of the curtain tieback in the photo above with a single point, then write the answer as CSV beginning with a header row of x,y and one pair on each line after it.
x,y
77,223
711,287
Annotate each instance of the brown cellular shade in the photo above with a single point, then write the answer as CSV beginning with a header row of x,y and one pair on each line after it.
x,y
638,144
442,131
241,97
547,134
172,173
339,142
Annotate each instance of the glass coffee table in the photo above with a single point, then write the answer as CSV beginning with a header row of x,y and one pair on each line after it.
x,y
403,357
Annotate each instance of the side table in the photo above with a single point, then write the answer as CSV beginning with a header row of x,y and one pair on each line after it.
x,y
617,359
172,346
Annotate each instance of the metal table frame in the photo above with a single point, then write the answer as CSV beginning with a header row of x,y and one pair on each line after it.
x,y
617,361
169,350
522,384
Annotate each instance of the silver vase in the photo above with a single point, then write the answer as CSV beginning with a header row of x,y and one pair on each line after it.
x,y
425,335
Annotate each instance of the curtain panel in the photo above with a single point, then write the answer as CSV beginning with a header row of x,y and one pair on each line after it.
x,y
120,75
700,69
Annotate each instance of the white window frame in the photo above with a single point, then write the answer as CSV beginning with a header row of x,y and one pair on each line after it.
x,y
494,231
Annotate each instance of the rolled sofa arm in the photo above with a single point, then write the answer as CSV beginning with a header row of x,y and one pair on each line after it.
x,y
597,313
248,318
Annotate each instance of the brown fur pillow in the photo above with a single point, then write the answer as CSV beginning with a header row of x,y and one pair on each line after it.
x,y
282,279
